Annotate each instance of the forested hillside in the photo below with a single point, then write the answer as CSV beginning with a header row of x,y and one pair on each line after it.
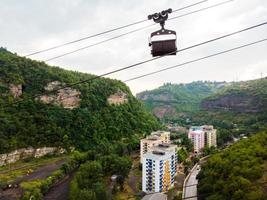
x,y
238,173
96,112
173,100
234,109
242,97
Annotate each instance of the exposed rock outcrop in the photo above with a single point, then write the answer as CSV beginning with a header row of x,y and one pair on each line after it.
x,y
16,90
163,111
118,98
44,151
235,103
161,97
20,154
67,97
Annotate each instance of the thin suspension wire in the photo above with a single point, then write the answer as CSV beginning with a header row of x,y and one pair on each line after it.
x,y
189,6
105,32
130,32
146,61
196,60
202,9
97,43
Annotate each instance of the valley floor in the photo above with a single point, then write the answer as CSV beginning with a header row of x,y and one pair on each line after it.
x,y
21,172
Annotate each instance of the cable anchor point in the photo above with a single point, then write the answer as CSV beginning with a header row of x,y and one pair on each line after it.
x,y
160,17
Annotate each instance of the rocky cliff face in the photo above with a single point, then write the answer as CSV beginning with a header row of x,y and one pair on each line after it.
x,y
235,103
20,154
118,98
16,90
164,111
242,97
69,98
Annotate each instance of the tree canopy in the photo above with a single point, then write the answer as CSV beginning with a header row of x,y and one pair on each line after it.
x,y
237,172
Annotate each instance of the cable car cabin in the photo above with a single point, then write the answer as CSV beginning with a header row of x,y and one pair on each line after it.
x,y
163,42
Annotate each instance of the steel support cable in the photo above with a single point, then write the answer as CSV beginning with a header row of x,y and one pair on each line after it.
x,y
149,60
189,6
105,32
136,30
97,43
202,9
186,63
196,60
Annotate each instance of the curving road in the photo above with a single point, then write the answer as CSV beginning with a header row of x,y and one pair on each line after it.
x,y
191,185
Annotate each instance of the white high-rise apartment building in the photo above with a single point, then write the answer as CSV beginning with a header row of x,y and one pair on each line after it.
x,y
157,137
164,136
159,169
168,148
147,144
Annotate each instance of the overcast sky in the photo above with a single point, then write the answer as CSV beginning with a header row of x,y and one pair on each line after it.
x,y
31,25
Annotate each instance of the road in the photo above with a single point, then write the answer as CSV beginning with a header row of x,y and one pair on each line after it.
x,y
191,185
40,173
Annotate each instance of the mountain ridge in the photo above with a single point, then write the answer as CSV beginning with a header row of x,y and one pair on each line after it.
x,y
177,99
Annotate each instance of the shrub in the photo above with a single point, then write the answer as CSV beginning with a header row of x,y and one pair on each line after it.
x,y
32,190
3,184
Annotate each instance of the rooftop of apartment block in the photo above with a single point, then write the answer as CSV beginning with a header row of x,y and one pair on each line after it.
x,y
158,155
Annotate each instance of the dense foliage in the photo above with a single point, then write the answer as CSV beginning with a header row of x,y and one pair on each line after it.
x,y
91,182
238,172
95,123
182,97
257,87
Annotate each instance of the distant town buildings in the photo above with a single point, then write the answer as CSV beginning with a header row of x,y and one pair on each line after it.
x,y
196,135
147,144
210,136
202,136
159,161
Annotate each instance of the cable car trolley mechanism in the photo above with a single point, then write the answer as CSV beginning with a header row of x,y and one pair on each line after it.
x,y
163,41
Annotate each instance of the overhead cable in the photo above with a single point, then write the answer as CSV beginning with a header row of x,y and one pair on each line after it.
x,y
133,31
196,60
105,32
152,59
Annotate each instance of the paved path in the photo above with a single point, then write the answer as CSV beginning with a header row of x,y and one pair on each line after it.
x,y
191,185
